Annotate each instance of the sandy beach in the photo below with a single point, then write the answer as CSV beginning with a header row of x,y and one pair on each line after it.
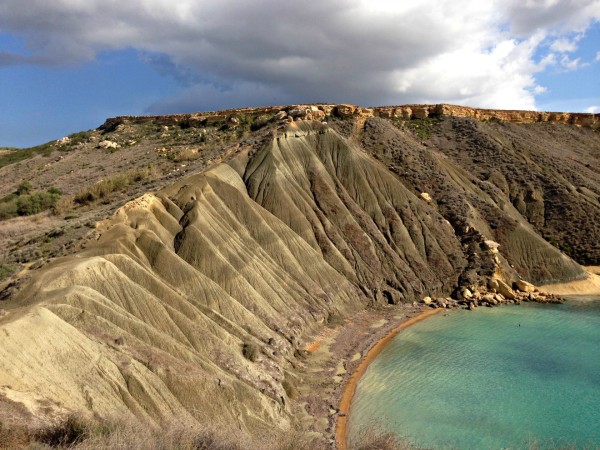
x,y
588,286
335,360
338,356
350,386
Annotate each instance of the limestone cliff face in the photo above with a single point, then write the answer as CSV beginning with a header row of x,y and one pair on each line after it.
x,y
587,120
442,110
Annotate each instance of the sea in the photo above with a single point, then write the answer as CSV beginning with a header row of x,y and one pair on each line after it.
x,y
511,377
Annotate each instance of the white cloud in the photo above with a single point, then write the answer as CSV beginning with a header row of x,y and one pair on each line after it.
x,y
234,52
592,109
598,56
569,64
564,45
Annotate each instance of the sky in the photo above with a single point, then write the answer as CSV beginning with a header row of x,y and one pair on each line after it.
x,y
67,65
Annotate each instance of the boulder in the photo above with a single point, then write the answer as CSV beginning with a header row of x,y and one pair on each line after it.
x,y
108,144
299,111
316,115
524,286
488,298
427,300
467,294
491,246
425,196
280,115
493,285
344,110
505,290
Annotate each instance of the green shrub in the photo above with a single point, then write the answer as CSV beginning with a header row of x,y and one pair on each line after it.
x,y
35,203
24,188
5,271
260,121
25,203
15,155
8,210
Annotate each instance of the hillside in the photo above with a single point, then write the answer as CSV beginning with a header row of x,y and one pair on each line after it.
x,y
191,256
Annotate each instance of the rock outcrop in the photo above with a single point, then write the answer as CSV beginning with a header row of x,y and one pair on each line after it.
x,y
318,111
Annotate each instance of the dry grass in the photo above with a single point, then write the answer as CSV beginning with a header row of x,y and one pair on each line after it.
x,y
186,154
63,205
115,183
77,434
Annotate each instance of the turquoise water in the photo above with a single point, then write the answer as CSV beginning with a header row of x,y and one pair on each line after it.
x,y
489,379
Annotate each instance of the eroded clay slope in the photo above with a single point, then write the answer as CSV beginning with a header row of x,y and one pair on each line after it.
x,y
478,209
153,318
192,302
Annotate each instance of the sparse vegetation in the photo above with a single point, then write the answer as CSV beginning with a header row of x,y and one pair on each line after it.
x,y
15,155
115,183
186,154
250,351
6,270
24,202
78,434
62,205
67,433
260,121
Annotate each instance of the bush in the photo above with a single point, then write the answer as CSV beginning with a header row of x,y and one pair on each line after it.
x,y
67,433
62,205
35,203
26,204
24,188
250,351
8,210
187,154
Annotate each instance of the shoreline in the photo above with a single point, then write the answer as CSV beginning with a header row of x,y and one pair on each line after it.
x,y
336,357
588,286
349,388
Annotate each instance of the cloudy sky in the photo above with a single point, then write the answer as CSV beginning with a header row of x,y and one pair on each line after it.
x,y
66,65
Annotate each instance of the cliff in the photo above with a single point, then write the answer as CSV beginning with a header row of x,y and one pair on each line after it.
x,y
587,120
192,302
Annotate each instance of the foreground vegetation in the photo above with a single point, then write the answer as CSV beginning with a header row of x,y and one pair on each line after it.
x,y
78,434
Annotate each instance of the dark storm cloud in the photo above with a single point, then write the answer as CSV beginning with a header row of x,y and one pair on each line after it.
x,y
265,51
